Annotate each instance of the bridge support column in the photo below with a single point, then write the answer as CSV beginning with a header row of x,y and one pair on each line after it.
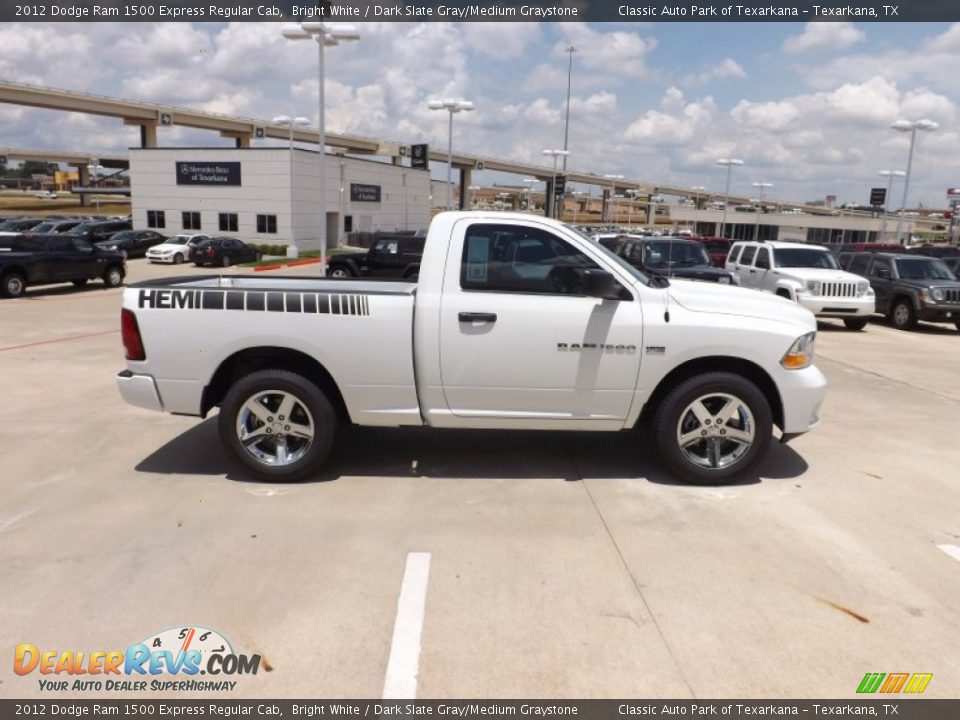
x,y
240,139
148,131
465,181
83,175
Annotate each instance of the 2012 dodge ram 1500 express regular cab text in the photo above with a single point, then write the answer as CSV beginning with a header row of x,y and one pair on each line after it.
x,y
516,322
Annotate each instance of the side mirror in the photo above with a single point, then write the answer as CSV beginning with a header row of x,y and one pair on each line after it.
x,y
601,284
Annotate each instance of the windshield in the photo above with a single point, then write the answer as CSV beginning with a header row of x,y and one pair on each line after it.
x,y
804,258
671,254
44,227
614,258
177,240
923,269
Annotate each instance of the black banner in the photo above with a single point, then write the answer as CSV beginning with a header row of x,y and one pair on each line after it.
x,y
895,707
208,173
364,193
878,196
481,11
419,156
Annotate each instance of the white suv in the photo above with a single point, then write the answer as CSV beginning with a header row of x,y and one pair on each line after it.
x,y
808,274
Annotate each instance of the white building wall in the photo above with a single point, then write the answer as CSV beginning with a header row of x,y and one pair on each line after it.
x,y
265,189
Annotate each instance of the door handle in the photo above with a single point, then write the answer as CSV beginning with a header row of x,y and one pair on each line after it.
x,y
478,317
753,271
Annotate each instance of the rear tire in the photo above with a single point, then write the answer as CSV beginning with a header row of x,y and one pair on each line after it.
x,y
251,428
713,428
855,323
225,262
14,285
340,271
113,277
902,315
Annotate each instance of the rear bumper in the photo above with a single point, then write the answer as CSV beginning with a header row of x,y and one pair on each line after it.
x,y
802,393
838,307
139,390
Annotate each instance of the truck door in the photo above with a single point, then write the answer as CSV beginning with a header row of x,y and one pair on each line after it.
x,y
518,338
881,280
385,258
764,277
745,268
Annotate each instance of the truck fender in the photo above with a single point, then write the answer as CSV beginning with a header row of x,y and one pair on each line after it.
x,y
354,268
790,287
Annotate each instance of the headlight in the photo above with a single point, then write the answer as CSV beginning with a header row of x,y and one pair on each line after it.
x,y
724,280
862,288
937,293
813,286
800,354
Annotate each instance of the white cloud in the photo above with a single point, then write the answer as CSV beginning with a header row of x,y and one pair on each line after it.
x,y
824,36
618,53
726,68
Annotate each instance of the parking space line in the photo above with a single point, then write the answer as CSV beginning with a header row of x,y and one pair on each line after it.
x,y
57,340
951,550
404,663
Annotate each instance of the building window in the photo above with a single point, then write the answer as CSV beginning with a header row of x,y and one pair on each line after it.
x,y
228,222
156,219
191,221
266,223
348,223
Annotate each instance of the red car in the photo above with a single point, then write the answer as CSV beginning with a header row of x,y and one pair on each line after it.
x,y
717,248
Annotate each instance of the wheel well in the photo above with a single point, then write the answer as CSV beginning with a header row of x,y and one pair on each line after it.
x,y
902,296
13,270
718,363
264,358
783,292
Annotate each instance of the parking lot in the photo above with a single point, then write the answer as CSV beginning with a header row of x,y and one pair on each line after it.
x,y
560,565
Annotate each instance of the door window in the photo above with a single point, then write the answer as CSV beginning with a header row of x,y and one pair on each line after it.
x,y
858,264
880,269
735,253
507,258
763,259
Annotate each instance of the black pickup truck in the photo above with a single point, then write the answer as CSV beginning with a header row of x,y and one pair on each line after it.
x,y
27,260
395,256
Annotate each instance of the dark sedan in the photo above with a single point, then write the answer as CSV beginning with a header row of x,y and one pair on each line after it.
x,y
223,251
673,257
132,243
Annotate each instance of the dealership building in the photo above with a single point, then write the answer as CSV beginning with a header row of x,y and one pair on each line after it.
x,y
269,195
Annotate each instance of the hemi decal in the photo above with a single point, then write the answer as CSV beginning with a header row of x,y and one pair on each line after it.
x,y
254,301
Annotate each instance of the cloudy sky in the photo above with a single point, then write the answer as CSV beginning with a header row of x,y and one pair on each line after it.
x,y
806,106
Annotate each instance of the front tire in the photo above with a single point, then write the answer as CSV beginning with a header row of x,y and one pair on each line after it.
x,y
855,323
713,428
279,425
225,262
902,315
113,277
177,259
14,285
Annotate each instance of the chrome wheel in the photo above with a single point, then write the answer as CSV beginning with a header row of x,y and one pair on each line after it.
x,y
901,315
715,431
339,273
275,428
14,286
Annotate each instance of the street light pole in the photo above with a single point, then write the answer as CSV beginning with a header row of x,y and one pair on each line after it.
x,y
552,201
729,163
325,34
911,127
451,106
756,225
889,175
566,124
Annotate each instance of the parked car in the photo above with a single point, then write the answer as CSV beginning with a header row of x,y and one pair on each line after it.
x,y
809,275
19,225
223,251
395,256
517,323
56,226
910,287
46,259
717,247
673,257
46,195
132,243
953,263
95,232
175,249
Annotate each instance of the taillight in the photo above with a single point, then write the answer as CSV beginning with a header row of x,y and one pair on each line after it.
x,y
130,331
211,252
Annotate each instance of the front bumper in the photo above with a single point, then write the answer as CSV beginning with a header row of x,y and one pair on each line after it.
x,y
838,307
160,258
801,392
139,390
939,312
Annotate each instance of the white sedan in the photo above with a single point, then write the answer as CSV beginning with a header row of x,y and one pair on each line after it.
x,y
175,250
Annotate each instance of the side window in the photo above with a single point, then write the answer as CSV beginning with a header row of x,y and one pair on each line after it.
x,y
763,258
156,219
880,269
82,245
387,247
508,258
747,254
412,246
858,264
735,253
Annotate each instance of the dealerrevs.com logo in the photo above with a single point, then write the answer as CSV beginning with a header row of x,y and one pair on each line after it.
x,y
170,660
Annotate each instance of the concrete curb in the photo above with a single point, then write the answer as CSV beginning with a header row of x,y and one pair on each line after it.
x,y
288,264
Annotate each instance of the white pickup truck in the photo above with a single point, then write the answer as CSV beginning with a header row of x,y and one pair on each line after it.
x,y
516,322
